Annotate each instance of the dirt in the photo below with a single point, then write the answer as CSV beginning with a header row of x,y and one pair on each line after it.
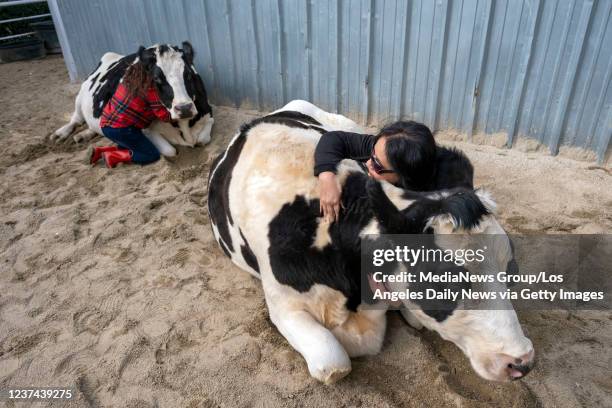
x,y
112,283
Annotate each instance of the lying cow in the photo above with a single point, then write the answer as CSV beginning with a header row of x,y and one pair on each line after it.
x,y
180,88
263,204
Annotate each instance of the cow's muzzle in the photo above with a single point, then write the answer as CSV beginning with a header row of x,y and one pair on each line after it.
x,y
184,110
519,367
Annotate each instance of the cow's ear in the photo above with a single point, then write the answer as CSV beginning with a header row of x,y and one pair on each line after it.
x,y
188,52
147,57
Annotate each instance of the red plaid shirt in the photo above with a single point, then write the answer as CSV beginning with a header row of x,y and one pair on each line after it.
x,y
124,110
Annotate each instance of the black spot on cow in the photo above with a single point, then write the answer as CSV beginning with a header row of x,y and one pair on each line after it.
x,y
166,94
163,49
297,116
461,204
224,247
290,119
93,81
292,232
110,81
248,255
197,92
219,180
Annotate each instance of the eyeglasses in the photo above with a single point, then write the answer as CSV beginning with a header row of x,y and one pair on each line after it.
x,y
377,166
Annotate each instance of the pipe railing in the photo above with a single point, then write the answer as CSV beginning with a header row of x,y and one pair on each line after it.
x,y
12,20
19,2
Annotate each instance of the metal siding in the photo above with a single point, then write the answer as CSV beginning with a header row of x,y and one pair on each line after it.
x,y
539,69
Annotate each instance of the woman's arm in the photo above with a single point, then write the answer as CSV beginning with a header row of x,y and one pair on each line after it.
x,y
332,148
156,106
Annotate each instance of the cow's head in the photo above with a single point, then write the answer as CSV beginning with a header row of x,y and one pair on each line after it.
x,y
173,75
492,339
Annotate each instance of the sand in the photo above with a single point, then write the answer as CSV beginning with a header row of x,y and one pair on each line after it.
x,y
111,282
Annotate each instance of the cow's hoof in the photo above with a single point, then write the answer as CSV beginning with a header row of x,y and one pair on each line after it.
x,y
55,137
171,159
333,375
84,136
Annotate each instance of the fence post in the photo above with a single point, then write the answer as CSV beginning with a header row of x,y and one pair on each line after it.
x,y
63,39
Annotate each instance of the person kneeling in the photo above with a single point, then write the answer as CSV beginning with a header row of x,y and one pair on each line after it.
x,y
133,107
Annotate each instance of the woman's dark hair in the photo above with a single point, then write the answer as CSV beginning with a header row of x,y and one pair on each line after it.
x,y
411,151
137,80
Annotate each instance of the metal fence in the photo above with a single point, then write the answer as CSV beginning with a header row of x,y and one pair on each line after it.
x,y
27,18
538,69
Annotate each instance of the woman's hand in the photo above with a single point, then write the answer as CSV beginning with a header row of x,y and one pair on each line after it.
x,y
329,192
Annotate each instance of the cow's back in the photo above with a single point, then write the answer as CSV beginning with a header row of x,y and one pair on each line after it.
x,y
265,166
100,86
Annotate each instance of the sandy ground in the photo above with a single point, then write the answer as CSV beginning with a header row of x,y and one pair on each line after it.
x,y
111,282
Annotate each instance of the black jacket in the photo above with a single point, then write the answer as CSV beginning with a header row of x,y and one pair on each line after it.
x,y
333,147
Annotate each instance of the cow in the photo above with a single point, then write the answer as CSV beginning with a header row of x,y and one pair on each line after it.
x,y
264,210
181,91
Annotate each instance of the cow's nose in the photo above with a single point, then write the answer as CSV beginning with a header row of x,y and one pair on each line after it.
x,y
184,109
519,367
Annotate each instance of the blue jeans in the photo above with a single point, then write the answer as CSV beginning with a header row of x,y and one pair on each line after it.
x,y
132,138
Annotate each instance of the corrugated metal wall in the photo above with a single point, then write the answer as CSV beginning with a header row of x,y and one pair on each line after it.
x,y
532,68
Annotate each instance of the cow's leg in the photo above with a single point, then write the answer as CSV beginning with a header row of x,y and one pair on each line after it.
x,y
204,135
410,318
164,147
75,120
84,135
326,358
363,332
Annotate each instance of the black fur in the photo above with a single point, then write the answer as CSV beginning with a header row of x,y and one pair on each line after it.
x,y
163,49
110,81
197,92
453,169
166,94
248,255
290,119
292,232
461,204
223,246
188,53
219,181
297,116
94,80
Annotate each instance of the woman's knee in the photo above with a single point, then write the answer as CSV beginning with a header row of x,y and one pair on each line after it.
x,y
150,157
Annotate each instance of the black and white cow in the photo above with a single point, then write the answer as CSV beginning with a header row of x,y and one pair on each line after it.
x,y
264,208
180,87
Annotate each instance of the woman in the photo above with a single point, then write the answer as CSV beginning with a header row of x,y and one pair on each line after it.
x,y
133,107
403,153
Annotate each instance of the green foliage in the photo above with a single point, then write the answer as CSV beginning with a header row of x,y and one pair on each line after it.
x,y
23,10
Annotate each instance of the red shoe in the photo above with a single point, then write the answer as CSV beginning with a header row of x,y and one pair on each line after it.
x,y
94,153
115,157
